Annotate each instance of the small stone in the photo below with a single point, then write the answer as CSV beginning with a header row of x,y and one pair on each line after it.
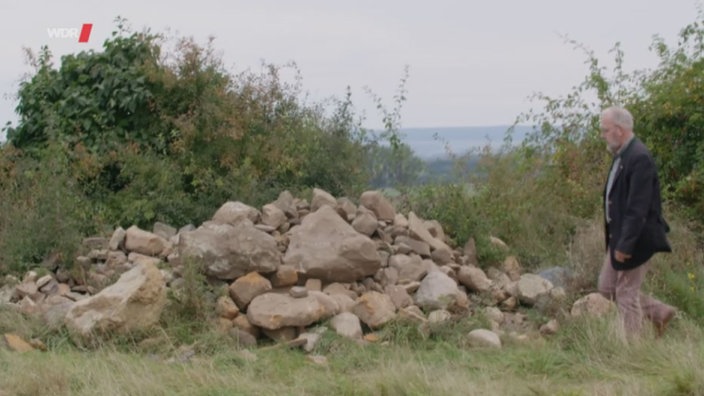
x,y
298,292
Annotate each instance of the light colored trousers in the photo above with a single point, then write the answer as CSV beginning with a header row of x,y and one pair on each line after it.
x,y
624,288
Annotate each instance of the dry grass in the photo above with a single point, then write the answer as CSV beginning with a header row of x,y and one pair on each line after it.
x,y
584,358
586,254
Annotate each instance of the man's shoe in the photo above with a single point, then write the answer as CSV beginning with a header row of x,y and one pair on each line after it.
x,y
661,326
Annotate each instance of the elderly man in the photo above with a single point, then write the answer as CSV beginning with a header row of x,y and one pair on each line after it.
x,y
635,228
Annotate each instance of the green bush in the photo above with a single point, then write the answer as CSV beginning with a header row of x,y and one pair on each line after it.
x,y
146,135
42,211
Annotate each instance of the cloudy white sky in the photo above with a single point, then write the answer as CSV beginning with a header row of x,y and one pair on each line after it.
x,y
471,63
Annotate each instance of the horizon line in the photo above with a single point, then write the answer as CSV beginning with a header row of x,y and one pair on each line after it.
x,y
453,126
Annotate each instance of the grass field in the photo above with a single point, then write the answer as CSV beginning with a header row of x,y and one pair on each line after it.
x,y
584,358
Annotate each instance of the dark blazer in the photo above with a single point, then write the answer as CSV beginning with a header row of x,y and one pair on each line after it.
x,y
637,226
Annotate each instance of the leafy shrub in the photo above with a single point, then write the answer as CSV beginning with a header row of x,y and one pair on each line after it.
x,y
147,135
42,211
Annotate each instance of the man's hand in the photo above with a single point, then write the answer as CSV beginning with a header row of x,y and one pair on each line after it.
x,y
621,257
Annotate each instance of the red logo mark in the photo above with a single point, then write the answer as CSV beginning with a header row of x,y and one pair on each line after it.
x,y
85,32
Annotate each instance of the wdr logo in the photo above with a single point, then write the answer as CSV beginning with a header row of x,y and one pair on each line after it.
x,y
83,34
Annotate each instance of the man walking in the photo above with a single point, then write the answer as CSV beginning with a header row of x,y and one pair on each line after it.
x,y
635,228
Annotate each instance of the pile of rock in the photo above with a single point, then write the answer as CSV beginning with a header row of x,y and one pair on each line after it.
x,y
286,268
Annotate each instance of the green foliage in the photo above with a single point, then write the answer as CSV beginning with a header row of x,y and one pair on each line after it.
x,y
151,135
98,99
678,277
190,304
393,165
42,211
507,198
670,117
457,208
533,196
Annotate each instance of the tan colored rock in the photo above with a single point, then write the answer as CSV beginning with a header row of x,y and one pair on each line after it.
x,y
325,247
474,279
416,227
298,292
470,252
532,287
164,230
365,221
442,256
282,334
273,216
412,313
400,220
141,259
549,328
26,289
241,322
436,291
314,284
43,281
116,259
374,308
340,288
285,202
347,324
16,343
273,311
228,251
226,308
245,288
144,242
346,208
484,338
54,309
233,212
399,296
344,302
134,302
377,203
419,247
243,338
285,275
332,307
435,229
409,268
592,304
439,316
322,198
117,240
512,268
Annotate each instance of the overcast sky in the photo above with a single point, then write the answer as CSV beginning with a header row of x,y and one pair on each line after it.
x,y
471,63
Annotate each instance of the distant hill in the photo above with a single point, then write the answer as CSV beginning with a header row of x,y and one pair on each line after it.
x,y
432,143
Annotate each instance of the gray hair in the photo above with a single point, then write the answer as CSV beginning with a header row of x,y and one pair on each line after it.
x,y
619,116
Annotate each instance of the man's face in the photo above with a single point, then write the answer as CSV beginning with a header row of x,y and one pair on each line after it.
x,y
612,134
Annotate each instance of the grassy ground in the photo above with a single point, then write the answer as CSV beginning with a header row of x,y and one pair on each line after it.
x,y
584,358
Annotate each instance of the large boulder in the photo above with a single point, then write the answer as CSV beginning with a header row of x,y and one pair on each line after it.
x,y
377,203
273,311
232,212
326,247
437,291
134,302
230,251
145,242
